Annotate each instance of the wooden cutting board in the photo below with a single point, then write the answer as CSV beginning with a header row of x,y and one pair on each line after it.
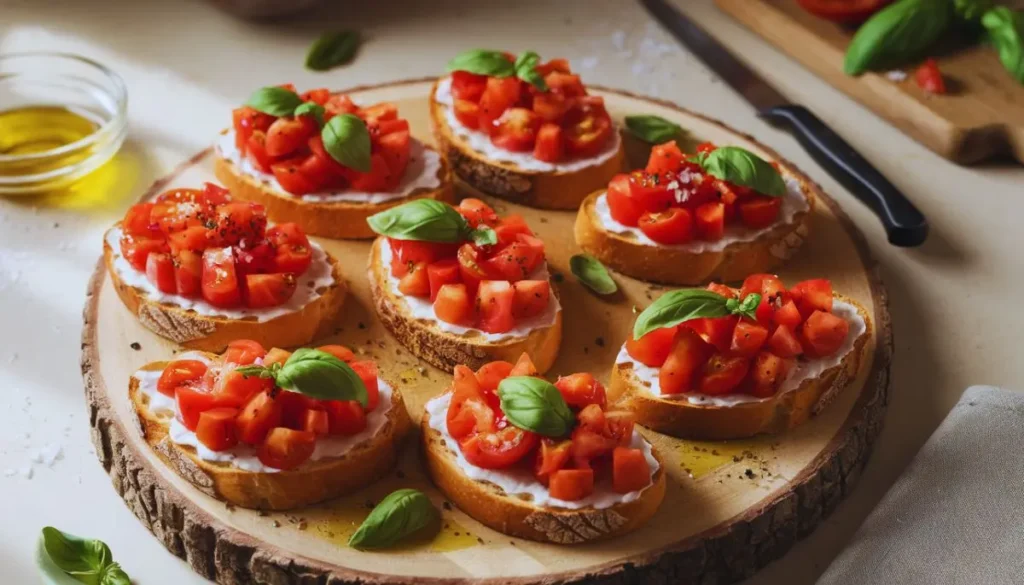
x,y
731,506
981,116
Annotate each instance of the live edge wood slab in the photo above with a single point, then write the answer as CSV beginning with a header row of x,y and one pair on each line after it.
x,y
730,507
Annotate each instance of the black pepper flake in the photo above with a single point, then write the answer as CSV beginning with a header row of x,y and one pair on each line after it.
x,y
557,277
446,505
749,473
362,325
136,345
599,341
480,540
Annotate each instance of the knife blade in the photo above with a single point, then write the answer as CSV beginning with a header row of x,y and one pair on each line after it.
x,y
904,224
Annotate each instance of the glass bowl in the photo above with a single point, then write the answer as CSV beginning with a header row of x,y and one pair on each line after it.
x,y
55,82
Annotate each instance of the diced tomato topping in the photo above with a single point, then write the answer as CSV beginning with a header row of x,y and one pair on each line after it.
x,y
220,281
766,373
494,305
416,282
492,373
468,411
468,86
453,304
500,93
277,356
524,366
260,414
286,135
630,471
710,221
624,209
160,272
339,351
499,449
747,338
929,78
286,448
671,227
784,343
243,352
812,295
316,422
550,145
722,374
367,372
582,389
467,113
216,428
531,298
179,373
716,331
571,484
823,333
191,403
760,212
684,362
345,417
665,159
551,457
478,213
653,348
788,315
269,290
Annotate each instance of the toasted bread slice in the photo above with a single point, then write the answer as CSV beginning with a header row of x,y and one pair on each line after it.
x,y
543,189
784,411
330,219
213,333
493,507
446,350
311,482
679,266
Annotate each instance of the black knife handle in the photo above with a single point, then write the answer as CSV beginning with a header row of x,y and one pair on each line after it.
x,y
904,224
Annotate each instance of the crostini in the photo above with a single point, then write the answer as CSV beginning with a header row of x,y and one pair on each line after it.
x,y
272,430
463,286
324,163
202,270
722,363
719,215
542,461
523,130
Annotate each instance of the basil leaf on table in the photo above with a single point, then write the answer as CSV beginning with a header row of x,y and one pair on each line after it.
x,y
426,220
742,167
483,62
331,50
526,69
275,101
1005,31
347,140
400,514
653,129
589,271
86,560
311,109
534,404
897,33
314,373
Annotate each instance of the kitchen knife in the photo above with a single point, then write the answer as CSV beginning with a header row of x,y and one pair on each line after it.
x,y
904,223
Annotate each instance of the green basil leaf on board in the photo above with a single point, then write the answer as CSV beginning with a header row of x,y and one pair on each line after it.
x,y
742,167
400,514
311,109
1004,29
592,274
653,129
273,100
347,140
897,33
484,236
483,62
331,50
534,404
86,560
526,69
320,375
426,220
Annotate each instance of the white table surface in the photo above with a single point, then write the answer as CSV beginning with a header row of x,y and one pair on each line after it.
x,y
955,301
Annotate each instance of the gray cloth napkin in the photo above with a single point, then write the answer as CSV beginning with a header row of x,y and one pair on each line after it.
x,y
956,515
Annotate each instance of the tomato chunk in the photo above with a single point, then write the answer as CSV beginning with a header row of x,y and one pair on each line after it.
x,y
551,457
216,428
524,367
339,351
259,415
823,333
748,337
491,374
550,145
581,389
191,403
684,362
494,304
710,221
665,158
453,304
653,348
624,209
468,410
722,374
269,290
630,471
571,484
441,273
160,272
813,295
416,282
179,373
671,227
784,342
219,280
500,449
243,352
286,448
531,298
766,374
367,372
344,417
760,212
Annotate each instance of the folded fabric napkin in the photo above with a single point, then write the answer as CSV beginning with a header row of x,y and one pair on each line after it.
x,y
956,515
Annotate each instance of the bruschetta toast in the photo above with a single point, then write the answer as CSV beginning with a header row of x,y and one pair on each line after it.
x,y
678,222
541,461
226,425
522,130
722,363
202,269
463,286
287,152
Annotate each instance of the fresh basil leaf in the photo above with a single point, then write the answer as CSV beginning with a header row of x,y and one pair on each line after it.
x,y
746,308
331,50
534,404
113,574
484,236
400,514
276,101
311,109
971,10
1005,31
653,129
592,274
347,140
526,69
83,559
483,62
897,33
426,220
678,306
320,375
741,167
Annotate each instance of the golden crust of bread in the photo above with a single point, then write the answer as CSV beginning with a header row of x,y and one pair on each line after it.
x,y
541,189
210,333
668,265
311,482
491,506
778,414
334,219
446,350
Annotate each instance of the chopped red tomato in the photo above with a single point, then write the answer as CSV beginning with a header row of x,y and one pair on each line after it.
x,y
179,373
722,374
571,484
582,389
416,282
624,209
588,134
256,151
549,146
286,135
846,11
710,221
517,260
929,78
747,338
191,403
468,86
670,227
260,414
291,178
684,362
531,298
441,273
345,417
316,422
784,343
565,83
136,249
760,212
524,366
232,388
630,471
276,355
478,213
510,228
717,331
468,411
216,428
823,333
500,93
137,220
516,130
245,121
220,281
243,352
467,113
286,448
499,449
269,290
787,314
812,295
339,351
453,304
491,374
766,374
551,457
293,252
653,348
160,272
589,444
726,291
494,303
470,269
367,372
665,158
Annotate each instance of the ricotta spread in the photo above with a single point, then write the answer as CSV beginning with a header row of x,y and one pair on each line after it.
x,y
520,482
804,369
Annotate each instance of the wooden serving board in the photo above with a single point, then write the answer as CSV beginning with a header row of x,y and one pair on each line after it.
x,y
981,116
731,507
